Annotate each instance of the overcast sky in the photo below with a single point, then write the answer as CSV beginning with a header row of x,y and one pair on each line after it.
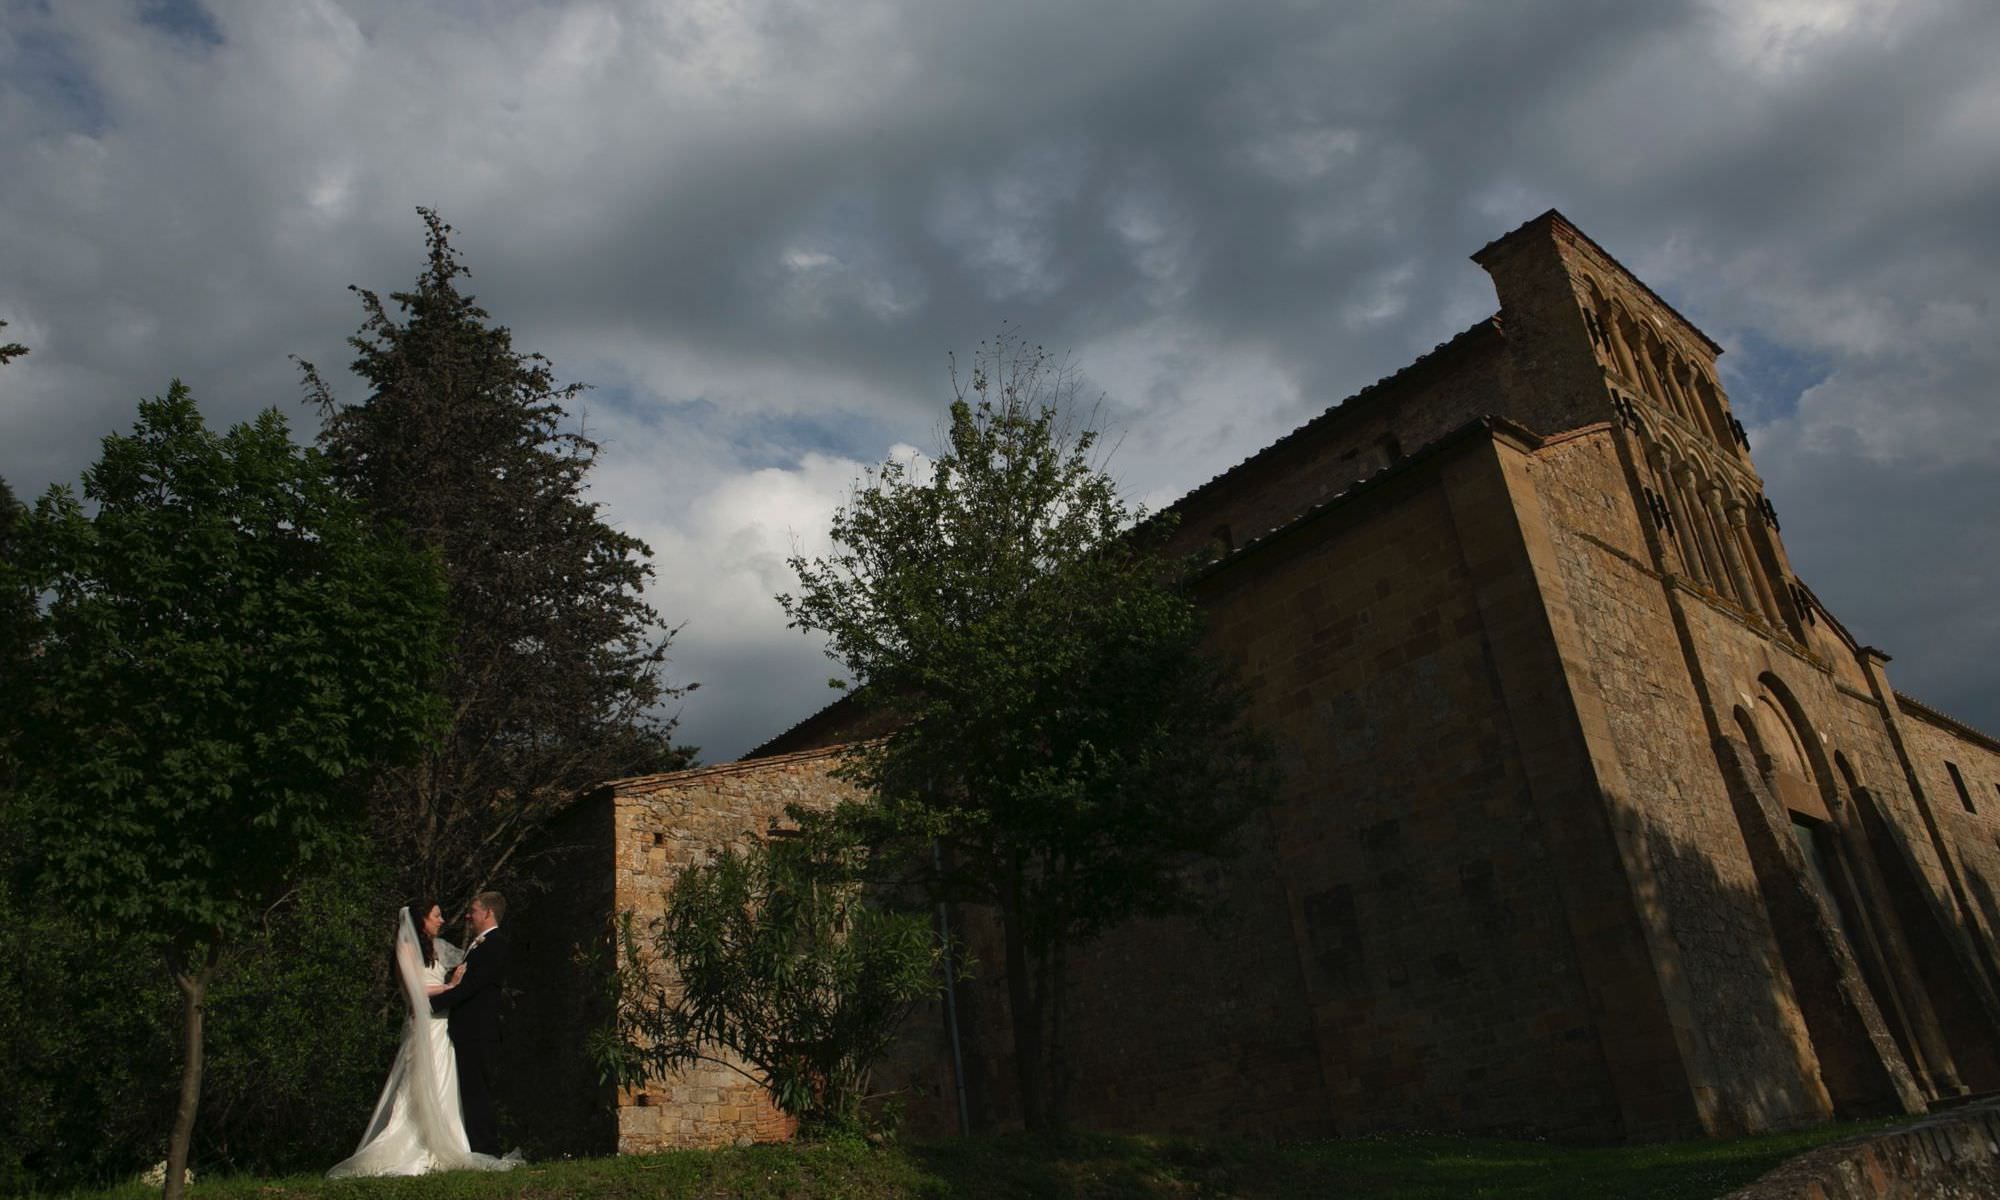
x,y
756,228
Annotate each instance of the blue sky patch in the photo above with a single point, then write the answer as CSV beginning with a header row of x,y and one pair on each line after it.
x,y
185,19
759,440
46,67
1766,379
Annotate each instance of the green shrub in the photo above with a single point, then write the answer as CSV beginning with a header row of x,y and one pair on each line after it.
x,y
775,963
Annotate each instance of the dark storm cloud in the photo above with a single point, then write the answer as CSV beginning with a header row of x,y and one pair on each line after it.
x,y
761,227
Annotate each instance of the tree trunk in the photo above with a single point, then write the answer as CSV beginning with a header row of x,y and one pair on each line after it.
x,y
1023,1008
194,995
1058,1051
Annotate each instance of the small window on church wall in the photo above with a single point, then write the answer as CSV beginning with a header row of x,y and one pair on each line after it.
x,y
1958,781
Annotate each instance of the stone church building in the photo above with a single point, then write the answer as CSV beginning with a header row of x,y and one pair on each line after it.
x,y
1593,823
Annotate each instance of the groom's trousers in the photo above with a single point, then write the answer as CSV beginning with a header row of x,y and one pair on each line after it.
x,y
476,1061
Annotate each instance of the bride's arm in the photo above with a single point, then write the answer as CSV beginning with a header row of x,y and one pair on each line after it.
x,y
450,957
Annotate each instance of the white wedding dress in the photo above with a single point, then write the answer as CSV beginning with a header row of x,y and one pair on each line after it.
x,y
418,1126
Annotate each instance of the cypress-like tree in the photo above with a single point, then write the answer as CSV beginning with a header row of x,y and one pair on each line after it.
x,y
12,350
16,605
556,674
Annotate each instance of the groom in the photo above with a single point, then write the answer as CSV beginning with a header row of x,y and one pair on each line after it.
x,y
473,1003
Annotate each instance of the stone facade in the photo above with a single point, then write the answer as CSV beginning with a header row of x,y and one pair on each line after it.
x,y
617,851
1594,822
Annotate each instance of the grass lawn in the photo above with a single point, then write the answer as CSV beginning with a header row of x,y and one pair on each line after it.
x,y
986,1168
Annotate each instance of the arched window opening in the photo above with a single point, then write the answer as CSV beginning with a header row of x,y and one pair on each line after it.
x,y
1592,304
1850,783
1615,324
1687,488
1686,377
1641,340
1787,763
1710,399
1658,365
1734,583
1669,367
1737,512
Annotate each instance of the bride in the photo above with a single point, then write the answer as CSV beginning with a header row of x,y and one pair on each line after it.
x,y
417,1126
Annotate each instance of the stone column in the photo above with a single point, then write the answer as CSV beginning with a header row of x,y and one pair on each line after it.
x,y
1621,351
1685,488
1691,399
1739,532
1683,533
1746,595
1646,378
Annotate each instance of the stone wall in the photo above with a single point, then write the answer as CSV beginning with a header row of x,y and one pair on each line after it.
x,y
1951,1156
1430,931
1742,1038
664,823
1959,770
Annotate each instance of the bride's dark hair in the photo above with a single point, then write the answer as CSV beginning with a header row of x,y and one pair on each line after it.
x,y
419,910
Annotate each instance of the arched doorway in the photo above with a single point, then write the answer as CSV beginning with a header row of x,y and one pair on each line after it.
x,y
1785,807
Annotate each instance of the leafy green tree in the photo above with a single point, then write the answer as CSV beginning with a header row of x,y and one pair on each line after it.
x,y
298,1025
1061,735
556,672
10,351
226,647
16,607
772,957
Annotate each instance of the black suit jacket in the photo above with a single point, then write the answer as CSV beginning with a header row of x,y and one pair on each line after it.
x,y
474,1005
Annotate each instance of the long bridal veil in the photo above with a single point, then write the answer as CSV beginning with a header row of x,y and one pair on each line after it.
x,y
413,1080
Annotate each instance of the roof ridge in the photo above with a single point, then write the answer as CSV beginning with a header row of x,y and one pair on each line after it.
x,y
733,767
1909,701
1338,408
846,696
1493,424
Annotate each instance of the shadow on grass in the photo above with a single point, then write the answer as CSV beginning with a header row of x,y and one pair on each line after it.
x,y
1403,1168
1093,1167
